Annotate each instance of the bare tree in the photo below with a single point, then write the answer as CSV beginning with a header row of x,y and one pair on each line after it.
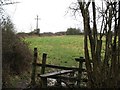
x,y
104,51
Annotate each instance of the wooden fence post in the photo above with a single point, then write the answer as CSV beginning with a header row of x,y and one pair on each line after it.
x,y
34,67
43,63
80,60
44,80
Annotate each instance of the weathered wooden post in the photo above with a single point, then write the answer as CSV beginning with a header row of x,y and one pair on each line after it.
x,y
80,60
44,80
43,63
34,67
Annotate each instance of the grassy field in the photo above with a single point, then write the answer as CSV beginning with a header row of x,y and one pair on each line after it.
x,y
61,50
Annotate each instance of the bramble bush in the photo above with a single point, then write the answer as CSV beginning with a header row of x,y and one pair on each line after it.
x,y
16,56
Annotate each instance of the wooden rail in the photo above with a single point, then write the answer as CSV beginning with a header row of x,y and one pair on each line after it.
x,y
59,67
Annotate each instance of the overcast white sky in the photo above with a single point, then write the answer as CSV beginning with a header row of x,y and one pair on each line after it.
x,y
51,13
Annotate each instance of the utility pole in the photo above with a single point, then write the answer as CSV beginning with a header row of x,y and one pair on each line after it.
x,y
37,30
37,22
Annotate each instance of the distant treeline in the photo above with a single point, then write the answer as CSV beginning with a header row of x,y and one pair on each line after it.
x,y
46,34
70,31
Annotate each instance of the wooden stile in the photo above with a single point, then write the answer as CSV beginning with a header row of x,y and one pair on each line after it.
x,y
57,74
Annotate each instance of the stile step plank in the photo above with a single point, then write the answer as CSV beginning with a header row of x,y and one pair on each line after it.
x,y
56,73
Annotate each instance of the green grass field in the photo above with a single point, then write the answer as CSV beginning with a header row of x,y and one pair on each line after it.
x,y
61,50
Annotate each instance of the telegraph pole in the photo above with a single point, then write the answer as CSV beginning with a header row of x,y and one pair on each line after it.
x,y
37,29
37,22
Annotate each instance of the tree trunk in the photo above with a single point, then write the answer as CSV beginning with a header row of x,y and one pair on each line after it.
x,y
105,69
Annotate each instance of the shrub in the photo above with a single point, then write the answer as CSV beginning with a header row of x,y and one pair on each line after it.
x,y
16,56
